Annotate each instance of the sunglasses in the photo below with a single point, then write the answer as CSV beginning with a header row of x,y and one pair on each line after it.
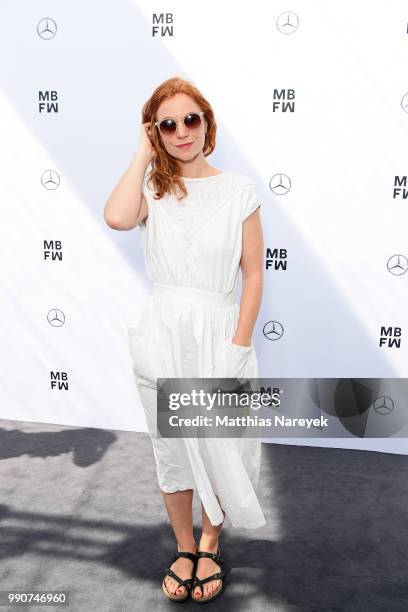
x,y
192,121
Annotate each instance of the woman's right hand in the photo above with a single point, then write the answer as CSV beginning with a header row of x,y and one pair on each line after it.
x,y
146,147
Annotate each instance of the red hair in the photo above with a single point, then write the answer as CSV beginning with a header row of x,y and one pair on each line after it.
x,y
166,170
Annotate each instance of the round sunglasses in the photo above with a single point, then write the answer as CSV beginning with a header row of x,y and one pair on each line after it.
x,y
192,121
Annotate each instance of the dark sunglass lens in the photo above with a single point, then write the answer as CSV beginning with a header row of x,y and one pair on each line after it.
x,y
193,120
168,126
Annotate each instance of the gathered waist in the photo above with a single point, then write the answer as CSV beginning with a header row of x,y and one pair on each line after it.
x,y
191,293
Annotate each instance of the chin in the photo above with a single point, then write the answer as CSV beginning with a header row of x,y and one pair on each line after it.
x,y
188,154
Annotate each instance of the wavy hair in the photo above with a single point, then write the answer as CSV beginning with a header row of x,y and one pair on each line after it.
x,y
166,170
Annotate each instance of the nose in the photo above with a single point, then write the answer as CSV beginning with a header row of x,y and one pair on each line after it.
x,y
181,131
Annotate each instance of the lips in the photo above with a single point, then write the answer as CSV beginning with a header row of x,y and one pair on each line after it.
x,y
184,146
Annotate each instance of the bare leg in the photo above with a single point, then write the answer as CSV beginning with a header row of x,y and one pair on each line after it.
x,y
179,506
206,566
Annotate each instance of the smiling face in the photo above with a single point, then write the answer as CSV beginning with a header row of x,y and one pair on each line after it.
x,y
177,108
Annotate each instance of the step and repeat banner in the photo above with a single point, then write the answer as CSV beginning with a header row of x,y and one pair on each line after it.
x,y
311,101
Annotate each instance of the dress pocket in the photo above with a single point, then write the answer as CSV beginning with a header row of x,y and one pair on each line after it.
x,y
239,348
233,360
140,347
135,332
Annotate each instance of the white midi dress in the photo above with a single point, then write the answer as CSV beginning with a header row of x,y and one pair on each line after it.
x,y
192,250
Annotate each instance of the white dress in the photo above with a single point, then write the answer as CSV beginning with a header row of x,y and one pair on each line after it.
x,y
192,250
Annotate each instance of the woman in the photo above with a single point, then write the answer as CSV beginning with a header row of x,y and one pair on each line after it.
x,y
198,224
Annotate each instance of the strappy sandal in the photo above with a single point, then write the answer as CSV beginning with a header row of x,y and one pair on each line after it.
x,y
199,582
186,583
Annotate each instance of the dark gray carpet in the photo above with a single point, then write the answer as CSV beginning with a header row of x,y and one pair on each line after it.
x,y
80,510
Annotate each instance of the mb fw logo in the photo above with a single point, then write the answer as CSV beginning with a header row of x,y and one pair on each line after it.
x,y
390,337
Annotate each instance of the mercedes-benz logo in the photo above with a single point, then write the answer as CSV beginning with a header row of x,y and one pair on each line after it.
x,y
50,179
46,28
273,330
56,317
397,264
404,103
280,184
383,405
287,22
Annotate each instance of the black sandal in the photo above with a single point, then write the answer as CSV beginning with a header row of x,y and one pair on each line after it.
x,y
186,583
200,581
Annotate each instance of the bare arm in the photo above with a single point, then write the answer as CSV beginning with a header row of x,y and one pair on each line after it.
x,y
252,278
126,206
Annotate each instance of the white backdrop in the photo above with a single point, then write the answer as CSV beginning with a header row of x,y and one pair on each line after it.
x,y
311,100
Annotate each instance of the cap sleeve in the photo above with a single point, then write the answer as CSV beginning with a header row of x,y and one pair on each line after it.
x,y
148,194
250,200
145,188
